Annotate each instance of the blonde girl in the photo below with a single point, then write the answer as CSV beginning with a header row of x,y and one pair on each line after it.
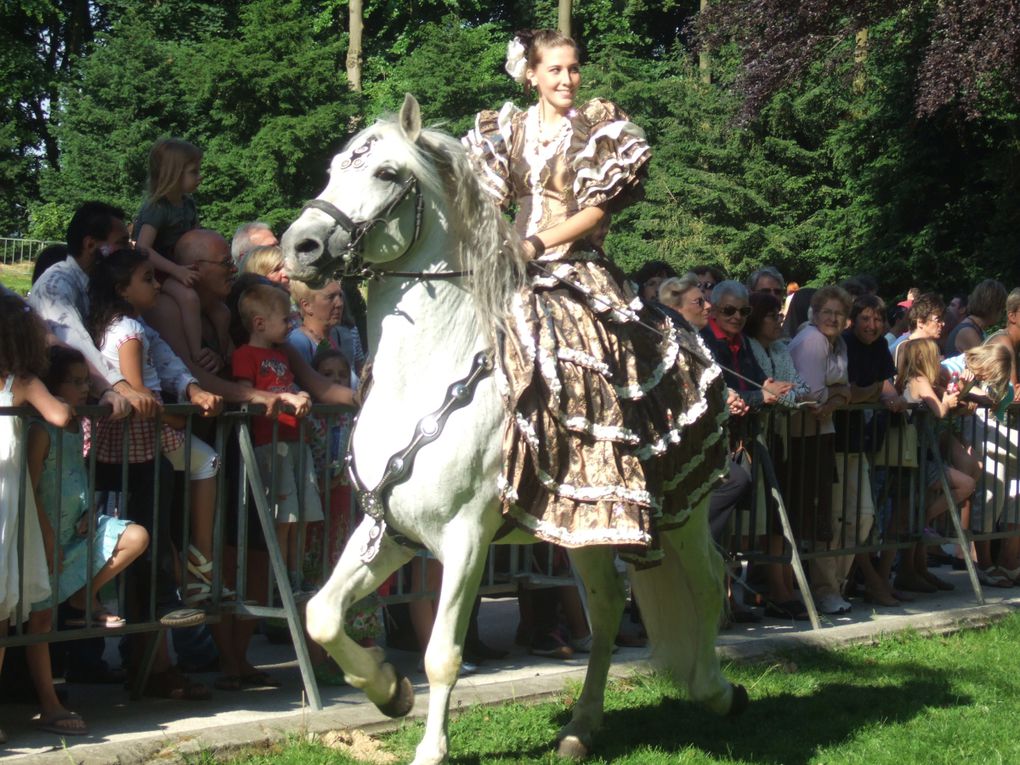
x,y
920,381
167,213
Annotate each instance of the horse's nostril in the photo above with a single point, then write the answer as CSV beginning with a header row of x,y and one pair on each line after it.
x,y
308,245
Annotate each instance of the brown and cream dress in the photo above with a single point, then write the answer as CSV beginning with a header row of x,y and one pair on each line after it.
x,y
617,419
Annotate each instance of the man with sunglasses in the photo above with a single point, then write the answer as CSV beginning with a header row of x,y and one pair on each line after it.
x,y
768,280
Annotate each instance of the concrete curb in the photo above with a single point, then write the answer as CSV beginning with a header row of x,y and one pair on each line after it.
x,y
225,740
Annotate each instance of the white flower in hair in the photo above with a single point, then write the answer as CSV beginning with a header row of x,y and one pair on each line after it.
x,y
516,61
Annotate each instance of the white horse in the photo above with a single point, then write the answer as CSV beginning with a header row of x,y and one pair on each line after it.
x,y
405,201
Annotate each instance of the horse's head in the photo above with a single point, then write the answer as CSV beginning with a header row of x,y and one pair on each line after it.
x,y
371,209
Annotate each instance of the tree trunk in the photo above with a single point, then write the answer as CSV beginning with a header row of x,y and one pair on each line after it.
x,y
860,59
704,58
354,46
564,17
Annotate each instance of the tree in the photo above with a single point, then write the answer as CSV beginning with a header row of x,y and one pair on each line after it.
x,y
357,25
563,16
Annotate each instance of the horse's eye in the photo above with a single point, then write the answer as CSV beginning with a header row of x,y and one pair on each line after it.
x,y
386,174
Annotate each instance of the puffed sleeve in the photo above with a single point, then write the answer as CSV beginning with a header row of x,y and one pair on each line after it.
x,y
610,155
488,146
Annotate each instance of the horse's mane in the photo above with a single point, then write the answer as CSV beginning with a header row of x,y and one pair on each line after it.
x,y
487,245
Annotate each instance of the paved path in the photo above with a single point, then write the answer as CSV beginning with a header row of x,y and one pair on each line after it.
x,y
127,732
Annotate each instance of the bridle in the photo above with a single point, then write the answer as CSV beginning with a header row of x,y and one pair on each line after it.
x,y
352,262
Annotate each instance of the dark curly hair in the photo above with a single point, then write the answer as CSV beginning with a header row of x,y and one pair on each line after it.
x,y
111,274
22,340
62,359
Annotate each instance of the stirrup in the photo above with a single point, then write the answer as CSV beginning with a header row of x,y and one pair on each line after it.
x,y
201,571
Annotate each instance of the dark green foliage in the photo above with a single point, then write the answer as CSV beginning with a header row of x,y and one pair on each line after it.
x,y
835,174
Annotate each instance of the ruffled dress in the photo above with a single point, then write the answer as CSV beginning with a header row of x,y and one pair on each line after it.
x,y
617,418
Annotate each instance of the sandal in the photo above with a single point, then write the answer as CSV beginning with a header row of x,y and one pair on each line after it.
x,y
259,679
993,576
228,683
58,723
201,590
182,617
172,684
101,617
790,609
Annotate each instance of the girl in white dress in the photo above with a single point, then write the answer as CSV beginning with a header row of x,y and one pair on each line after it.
x,y
25,579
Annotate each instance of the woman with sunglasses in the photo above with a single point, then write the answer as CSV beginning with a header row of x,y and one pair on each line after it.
x,y
724,337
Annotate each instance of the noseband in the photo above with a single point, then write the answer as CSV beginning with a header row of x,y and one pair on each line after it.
x,y
357,231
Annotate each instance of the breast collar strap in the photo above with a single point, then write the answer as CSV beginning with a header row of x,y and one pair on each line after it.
x,y
399,466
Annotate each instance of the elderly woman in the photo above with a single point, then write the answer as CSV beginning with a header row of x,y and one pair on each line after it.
x,y
266,261
321,312
682,295
725,339
819,353
764,330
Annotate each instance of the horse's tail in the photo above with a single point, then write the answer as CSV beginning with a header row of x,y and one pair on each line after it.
x,y
681,601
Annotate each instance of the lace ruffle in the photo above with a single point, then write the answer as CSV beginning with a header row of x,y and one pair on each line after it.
x,y
610,155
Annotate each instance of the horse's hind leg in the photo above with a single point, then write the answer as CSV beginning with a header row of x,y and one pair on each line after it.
x,y
463,559
606,596
681,602
350,581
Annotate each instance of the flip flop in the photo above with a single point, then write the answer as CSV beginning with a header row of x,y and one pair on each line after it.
x,y
183,617
52,724
259,679
101,617
227,683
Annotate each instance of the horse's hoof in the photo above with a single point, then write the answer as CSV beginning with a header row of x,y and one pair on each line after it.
x,y
573,748
739,702
403,699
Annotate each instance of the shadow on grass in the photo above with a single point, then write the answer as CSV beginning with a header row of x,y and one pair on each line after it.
x,y
780,726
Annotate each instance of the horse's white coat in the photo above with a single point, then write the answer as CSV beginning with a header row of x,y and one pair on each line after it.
x,y
425,335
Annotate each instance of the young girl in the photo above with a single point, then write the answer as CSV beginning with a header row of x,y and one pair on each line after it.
x,y
25,580
167,213
65,505
919,380
123,285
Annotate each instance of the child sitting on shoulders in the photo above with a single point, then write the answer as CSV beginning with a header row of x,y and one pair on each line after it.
x,y
262,363
167,213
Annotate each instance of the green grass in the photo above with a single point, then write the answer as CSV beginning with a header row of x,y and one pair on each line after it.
x,y
17,277
909,699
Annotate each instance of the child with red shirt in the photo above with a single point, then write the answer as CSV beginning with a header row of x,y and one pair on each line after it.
x,y
264,313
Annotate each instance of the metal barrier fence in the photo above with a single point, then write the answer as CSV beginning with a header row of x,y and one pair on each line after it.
x,y
879,470
14,251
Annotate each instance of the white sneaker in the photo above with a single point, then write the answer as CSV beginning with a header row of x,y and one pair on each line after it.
x,y
833,605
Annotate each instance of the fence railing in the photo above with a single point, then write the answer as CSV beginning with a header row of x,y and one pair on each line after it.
x,y
13,251
876,471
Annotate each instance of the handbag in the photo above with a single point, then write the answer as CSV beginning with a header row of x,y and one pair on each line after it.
x,y
900,447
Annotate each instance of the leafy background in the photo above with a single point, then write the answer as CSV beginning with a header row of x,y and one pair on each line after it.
x,y
808,147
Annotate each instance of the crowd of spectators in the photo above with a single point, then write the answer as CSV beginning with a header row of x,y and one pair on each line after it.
x,y
139,312
797,359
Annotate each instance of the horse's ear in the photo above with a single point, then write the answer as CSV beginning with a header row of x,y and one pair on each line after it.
x,y
410,118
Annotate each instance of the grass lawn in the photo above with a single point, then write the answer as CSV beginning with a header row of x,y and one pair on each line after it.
x,y
909,699
17,277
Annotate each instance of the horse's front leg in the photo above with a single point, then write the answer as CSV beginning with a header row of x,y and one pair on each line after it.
x,y
463,557
606,597
350,582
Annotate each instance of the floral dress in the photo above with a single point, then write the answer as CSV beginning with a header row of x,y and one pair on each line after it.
x,y
66,501
617,426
